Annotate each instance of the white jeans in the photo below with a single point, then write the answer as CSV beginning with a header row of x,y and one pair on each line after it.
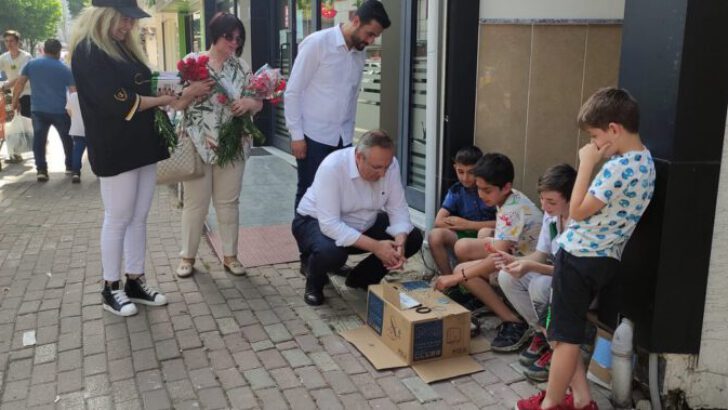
x,y
222,185
127,198
528,294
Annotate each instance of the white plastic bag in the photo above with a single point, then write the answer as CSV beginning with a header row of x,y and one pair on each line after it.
x,y
19,135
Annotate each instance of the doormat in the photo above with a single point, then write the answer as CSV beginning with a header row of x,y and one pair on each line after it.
x,y
261,245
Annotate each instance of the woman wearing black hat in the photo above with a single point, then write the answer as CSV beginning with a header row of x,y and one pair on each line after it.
x,y
114,91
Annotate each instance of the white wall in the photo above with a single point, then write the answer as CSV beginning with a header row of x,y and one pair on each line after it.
x,y
706,382
552,9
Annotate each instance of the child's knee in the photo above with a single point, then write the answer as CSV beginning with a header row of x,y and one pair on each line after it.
x,y
464,249
436,237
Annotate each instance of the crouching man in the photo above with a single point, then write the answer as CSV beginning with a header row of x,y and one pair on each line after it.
x,y
355,205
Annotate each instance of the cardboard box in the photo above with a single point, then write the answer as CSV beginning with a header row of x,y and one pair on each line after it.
x,y
411,324
600,366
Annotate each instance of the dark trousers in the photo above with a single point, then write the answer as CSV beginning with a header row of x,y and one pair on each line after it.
x,y
307,167
79,147
42,122
25,106
321,254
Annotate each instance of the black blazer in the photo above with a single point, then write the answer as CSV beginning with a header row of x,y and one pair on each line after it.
x,y
119,138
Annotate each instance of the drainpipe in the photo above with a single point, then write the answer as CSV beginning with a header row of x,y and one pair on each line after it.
x,y
432,111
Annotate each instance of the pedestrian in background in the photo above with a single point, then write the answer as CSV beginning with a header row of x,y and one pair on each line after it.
x,y
78,135
11,62
51,80
115,96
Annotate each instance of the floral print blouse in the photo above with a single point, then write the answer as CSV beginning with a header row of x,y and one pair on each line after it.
x,y
202,121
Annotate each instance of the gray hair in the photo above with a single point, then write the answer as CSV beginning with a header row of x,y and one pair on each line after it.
x,y
375,138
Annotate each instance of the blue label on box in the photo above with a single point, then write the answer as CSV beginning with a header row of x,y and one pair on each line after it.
x,y
375,312
416,284
427,340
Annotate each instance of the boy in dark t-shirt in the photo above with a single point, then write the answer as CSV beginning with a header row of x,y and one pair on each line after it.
x,y
462,214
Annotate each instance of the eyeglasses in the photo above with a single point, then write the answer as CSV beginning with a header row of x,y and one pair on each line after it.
x,y
230,37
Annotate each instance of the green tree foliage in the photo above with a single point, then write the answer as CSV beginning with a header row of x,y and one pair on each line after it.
x,y
75,6
36,20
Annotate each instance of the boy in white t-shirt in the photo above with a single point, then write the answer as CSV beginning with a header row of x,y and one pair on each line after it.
x,y
526,281
78,134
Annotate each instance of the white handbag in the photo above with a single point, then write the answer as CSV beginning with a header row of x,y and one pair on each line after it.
x,y
183,164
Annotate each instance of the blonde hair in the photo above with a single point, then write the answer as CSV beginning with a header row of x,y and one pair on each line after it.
x,y
94,24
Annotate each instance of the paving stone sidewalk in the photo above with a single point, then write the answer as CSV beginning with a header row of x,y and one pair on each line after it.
x,y
222,342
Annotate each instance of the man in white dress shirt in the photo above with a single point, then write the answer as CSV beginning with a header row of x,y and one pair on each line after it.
x,y
356,204
322,91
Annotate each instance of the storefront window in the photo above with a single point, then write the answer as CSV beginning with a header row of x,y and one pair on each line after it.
x,y
227,6
418,96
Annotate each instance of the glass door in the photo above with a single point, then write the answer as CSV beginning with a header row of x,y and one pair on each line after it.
x,y
414,104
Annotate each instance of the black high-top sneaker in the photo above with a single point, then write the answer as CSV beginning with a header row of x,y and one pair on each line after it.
x,y
139,292
115,300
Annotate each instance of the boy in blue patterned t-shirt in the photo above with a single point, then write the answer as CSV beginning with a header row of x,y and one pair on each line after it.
x,y
604,215
463,213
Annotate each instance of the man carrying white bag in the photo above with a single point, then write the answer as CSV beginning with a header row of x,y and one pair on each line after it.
x,y
19,135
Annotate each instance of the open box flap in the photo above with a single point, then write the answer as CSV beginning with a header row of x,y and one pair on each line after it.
x,y
372,347
443,369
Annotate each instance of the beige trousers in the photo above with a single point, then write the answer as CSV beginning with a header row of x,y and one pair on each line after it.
x,y
222,185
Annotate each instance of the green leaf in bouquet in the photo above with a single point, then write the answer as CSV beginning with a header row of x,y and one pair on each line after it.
x,y
165,129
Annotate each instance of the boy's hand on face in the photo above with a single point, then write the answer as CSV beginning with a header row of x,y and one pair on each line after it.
x,y
591,153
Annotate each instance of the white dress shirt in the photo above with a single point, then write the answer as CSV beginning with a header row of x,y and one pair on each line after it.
x,y
322,91
346,205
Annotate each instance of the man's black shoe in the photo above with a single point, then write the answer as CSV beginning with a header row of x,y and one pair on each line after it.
x,y
42,176
343,271
353,283
313,297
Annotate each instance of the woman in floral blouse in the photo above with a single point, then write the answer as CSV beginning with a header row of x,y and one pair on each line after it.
x,y
202,122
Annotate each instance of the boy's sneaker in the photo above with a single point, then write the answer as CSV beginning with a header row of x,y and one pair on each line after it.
x,y
569,404
139,292
474,326
534,350
42,176
76,178
69,172
511,336
538,371
115,300
464,298
534,403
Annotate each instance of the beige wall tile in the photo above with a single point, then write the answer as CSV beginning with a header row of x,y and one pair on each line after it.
x,y
502,90
603,52
557,67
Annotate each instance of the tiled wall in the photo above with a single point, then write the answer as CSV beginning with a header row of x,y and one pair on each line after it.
x,y
532,79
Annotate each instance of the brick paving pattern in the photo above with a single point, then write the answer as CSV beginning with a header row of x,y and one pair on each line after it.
x,y
222,342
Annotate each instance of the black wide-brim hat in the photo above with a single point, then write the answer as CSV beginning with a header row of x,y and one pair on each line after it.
x,y
128,8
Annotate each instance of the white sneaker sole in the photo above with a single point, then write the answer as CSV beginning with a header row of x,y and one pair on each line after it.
x,y
161,301
131,312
